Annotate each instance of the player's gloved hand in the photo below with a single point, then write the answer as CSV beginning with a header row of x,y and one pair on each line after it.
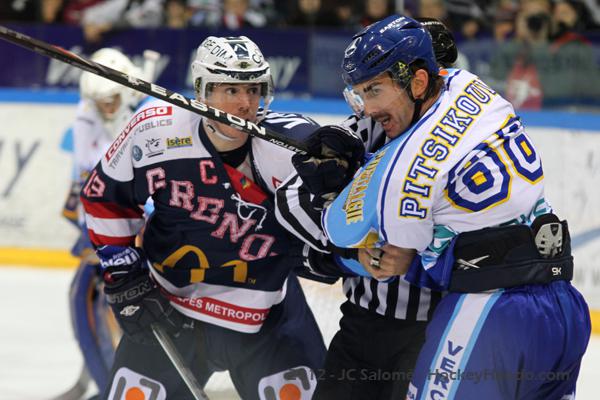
x,y
334,155
135,299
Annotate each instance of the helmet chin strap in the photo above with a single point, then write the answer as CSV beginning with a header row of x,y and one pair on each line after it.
x,y
418,105
418,102
216,132
416,111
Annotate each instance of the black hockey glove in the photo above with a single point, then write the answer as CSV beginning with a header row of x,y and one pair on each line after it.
x,y
334,155
135,299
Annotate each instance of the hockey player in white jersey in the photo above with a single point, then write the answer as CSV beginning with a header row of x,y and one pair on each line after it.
x,y
392,312
460,188
215,267
104,107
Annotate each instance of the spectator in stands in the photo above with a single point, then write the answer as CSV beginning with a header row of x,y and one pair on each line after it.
x,y
572,53
229,14
433,9
71,11
238,14
375,10
205,13
346,15
567,22
114,14
311,13
177,14
50,10
520,62
504,20
537,73
463,17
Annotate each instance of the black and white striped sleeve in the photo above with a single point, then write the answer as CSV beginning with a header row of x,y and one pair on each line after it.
x,y
293,199
370,131
295,213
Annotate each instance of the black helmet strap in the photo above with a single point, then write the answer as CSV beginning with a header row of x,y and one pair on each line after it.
x,y
419,102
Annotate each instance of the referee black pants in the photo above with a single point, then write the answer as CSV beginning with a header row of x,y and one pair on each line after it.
x,y
371,357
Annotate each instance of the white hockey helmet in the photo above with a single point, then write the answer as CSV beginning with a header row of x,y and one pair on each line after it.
x,y
97,89
230,59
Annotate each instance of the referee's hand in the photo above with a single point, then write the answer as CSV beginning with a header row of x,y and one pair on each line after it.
x,y
387,261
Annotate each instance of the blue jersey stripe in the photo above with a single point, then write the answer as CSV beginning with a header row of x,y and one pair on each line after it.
x,y
474,336
441,343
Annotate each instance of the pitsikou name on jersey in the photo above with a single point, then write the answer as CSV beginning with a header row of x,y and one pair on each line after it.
x,y
139,117
438,144
179,142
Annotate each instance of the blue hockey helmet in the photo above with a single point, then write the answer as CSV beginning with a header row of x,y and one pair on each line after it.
x,y
390,44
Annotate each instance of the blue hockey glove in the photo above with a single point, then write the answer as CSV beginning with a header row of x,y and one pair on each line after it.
x,y
334,156
133,296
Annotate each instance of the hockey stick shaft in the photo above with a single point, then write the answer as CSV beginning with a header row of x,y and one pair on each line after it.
x,y
151,89
185,373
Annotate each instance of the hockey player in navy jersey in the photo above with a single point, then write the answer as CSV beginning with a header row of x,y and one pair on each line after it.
x,y
216,267
459,188
103,108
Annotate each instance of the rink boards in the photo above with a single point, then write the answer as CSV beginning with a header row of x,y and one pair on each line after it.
x,y
36,172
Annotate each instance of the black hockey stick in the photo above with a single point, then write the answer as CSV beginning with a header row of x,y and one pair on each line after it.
x,y
169,348
151,89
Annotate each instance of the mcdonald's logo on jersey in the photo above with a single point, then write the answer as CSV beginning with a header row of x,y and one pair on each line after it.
x,y
296,383
128,384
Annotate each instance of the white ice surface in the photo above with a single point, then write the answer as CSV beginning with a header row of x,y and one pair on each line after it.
x,y
39,357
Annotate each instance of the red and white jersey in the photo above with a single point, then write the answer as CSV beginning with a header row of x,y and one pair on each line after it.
x,y
213,242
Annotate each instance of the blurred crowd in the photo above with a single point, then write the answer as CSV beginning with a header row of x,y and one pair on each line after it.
x,y
541,48
469,19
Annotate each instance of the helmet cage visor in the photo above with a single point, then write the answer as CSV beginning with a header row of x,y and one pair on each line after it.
x,y
399,72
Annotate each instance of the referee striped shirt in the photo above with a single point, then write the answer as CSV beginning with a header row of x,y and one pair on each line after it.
x,y
397,298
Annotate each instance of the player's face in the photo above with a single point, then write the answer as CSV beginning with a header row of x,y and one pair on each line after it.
x,y
239,99
386,103
109,106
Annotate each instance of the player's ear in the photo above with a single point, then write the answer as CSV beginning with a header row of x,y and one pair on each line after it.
x,y
419,83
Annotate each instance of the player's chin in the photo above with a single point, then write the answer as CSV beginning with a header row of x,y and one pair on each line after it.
x,y
233,133
392,132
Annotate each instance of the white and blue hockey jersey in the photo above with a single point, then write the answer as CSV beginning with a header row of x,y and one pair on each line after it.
x,y
465,165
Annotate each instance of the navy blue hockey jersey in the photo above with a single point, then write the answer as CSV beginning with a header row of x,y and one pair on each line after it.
x,y
213,242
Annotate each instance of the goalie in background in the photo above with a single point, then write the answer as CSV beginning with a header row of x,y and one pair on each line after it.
x,y
104,108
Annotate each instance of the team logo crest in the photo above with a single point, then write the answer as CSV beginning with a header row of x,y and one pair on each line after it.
x,y
154,147
137,153
403,71
351,49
